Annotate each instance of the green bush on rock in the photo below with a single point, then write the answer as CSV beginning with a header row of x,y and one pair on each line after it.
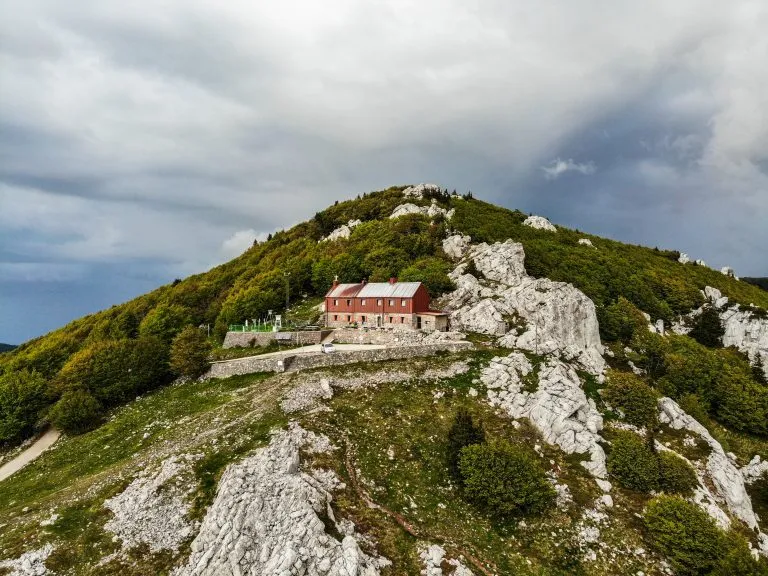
x,y
676,476
504,480
632,463
630,394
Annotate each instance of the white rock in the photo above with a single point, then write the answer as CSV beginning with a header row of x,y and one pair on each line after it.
x,y
418,190
701,263
30,563
755,470
432,559
683,259
728,271
429,211
342,231
559,409
559,319
586,242
264,520
540,223
724,475
456,246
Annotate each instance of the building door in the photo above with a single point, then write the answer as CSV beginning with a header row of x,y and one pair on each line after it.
x,y
378,321
418,322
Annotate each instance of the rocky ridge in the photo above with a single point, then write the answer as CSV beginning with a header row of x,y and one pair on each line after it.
x,y
552,317
558,407
429,211
342,231
266,520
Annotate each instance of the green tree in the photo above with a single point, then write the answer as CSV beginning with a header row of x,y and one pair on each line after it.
x,y
685,535
632,462
758,370
621,320
23,395
676,476
708,328
189,353
432,272
630,394
463,433
165,321
504,480
76,412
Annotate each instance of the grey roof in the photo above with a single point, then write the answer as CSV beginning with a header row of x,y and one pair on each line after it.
x,y
375,290
387,290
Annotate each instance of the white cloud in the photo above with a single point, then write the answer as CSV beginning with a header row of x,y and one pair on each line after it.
x,y
238,243
557,167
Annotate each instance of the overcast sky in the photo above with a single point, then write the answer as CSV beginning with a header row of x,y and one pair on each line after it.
x,y
144,141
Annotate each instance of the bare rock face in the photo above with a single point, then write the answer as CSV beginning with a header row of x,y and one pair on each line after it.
x,y
456,246
28,564
755,470
418,190
743,329
265,520
558,318
429,211
540,223
342,231
726,478
152,510
558,408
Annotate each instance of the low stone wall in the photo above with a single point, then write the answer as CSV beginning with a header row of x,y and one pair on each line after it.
x,y
386,337
296,362
244,339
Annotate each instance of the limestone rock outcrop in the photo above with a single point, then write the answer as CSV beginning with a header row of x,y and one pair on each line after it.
x,y
540,223
559,408
684,258
456,246
429,211
152,509
30,563
726,478
342,231
418,190
534,314
755,470
264,520
586,242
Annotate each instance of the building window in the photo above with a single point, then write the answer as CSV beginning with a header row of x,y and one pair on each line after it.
x,y
349,318
335,302
363,318
349,302
335,317
390,319
362,302
402,320
402,302
378,302
391,302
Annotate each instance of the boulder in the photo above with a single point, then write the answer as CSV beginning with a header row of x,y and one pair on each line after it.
x,y
456,246
683,259
586,242
540,223
342,231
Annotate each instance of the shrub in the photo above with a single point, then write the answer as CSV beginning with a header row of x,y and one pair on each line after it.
x,y
692,542
471,268
621,320
504,480
632,463
165,321
23,395
189,353
634,398
76,412
463,433
708,329
432,272
758,370
675,474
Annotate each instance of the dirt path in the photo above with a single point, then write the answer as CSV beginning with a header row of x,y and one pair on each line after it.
x,y
38,447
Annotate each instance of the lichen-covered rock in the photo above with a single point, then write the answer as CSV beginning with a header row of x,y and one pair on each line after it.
x,y
418,190
152,509
264,520
558,408
540,223
534,314
726,478
429,211
342,231
30,563
456,246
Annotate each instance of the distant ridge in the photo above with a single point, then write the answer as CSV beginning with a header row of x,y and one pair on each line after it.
x,y
6,347
759,282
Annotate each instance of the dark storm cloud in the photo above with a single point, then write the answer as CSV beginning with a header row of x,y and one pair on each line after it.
x,y
139,143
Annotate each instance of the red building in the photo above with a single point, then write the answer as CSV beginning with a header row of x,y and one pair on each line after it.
x,y
390,304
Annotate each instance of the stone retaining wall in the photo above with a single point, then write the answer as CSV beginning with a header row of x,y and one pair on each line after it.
x,y
244,339
357,336
296,362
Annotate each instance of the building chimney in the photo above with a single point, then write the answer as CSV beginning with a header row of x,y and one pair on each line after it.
x,y
392,280
364,281
335,281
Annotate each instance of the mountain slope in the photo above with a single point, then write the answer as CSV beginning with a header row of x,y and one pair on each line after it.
x,y
6,347
358,474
